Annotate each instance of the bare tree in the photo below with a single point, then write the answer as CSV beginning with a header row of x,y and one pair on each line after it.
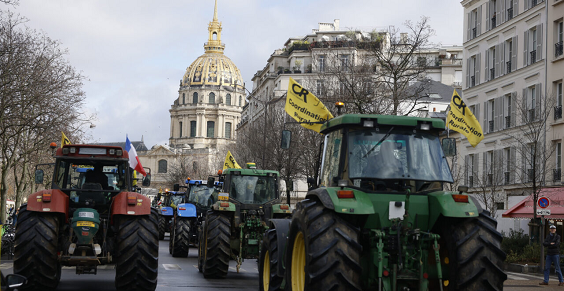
x,y
492,180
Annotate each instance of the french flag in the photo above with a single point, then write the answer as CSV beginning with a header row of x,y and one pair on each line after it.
x,y
134,162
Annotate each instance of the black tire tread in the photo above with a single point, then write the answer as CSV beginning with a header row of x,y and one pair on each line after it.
x,y
332,248
270,244
162,226
137,253
35,255
180,245
217,246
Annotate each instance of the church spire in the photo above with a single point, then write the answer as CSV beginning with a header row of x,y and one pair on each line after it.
x,y
214,44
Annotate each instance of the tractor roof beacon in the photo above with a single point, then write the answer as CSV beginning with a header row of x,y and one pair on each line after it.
x,y
379,218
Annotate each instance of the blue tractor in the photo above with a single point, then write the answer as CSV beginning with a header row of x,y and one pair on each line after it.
x,y
189,216
168,208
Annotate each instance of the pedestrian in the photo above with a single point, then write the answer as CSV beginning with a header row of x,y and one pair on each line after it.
x,y
552,242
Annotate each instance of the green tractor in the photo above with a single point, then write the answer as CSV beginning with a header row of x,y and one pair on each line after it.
x,y
379,218
236,222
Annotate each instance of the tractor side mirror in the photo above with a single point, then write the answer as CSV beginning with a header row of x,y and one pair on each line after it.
x,y
176,187
146,181
39,176
449,147
286,139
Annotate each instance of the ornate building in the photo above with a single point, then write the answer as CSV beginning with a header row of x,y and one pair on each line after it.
x,y
203,117
210,98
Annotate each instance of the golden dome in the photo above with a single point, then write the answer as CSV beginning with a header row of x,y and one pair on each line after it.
x,y
213,67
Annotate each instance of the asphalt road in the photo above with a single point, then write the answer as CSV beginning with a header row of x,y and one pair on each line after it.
x,y
174,274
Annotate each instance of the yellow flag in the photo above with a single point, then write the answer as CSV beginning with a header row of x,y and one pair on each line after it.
x,y
461,119
230,162
303,106
64,140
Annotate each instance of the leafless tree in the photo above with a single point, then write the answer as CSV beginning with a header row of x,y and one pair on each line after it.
x,y
40,95
491,182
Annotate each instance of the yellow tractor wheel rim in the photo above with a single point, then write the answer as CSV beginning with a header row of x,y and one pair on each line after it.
x,y
298,263
266,271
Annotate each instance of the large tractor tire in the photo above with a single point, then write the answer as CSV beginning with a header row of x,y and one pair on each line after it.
x,y
217,248
475,258
323,250
162,227
137,253
180,238
36,249
201,245
268,264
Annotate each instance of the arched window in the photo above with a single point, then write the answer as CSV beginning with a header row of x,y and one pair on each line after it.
x,y
195,98
162,166
212,98
183,98
228,99
211,127
240,101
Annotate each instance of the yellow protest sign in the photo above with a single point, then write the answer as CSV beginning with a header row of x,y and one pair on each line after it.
x,y
461,119
230,162
64,140
304,107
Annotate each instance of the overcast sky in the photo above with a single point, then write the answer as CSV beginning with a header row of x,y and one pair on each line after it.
x,y
134,53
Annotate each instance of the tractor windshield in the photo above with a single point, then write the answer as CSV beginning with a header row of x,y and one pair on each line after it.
x,y
396,155
201,194
91,175
253,189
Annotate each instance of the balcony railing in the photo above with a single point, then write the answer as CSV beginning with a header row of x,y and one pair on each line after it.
x,y
491,126
510,13
558,49
557,174
534,3
531,115
507,121
508,67
474,32
490,179
507,177
472,81
471,181
493,22
557,112
533,57
492,73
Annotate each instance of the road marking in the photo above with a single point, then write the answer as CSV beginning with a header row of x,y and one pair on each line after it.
x,y
5,266
169,267
528,276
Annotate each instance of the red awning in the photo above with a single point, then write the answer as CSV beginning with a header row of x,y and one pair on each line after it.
x,y
524,209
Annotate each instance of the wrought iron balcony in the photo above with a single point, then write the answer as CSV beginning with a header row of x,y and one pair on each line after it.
x,y
533,57
492,73
508,70
491,126
558,49
471,181
474,32
490,179
557,174
531,115
493,22
557,112
510,13
507,121
534,3
472,81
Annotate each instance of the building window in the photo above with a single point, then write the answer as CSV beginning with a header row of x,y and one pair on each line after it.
x,y
489,167
491,63
532,102
473,71
228,99
183,98
320,88
471,170
195,98
558,107
240,101
474,19
559,38
507,170
510,56
321,60
557,169
211,127
193,128
162,166
508,117
228,130
212,98
510,10
180,126
345,62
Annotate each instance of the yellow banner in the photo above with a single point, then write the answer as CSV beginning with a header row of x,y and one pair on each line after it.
x,y
303,106
230,162
461,119
64,140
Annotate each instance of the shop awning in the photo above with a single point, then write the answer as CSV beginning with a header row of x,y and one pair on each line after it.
x,y
524,209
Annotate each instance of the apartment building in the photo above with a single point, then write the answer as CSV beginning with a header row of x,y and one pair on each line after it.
x,y
505,54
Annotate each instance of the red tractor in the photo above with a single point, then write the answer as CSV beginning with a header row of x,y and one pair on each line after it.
x,y
90,215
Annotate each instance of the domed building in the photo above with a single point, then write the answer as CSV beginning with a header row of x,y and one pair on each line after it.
x,y
210,98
